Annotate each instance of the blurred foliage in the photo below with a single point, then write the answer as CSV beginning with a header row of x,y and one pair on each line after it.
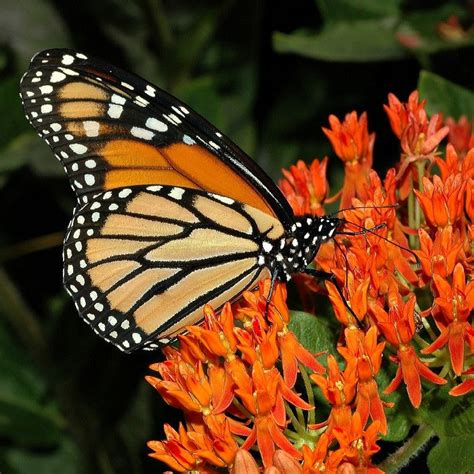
x,y
70,403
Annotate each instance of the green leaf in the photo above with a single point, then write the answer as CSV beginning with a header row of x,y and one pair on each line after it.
x,y
28,149
445,96
337,10
356,41
423,25
452,418
63,460
312,331
25,415
453,455
31,27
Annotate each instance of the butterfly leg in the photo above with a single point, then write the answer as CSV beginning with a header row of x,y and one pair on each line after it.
x,y
321,275
270,292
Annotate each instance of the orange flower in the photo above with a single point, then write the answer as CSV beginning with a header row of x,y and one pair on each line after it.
x,y
365,355
339,389
460,134
455,301
353,144
358,445
398,327
265,402
190,388
442,203
305,187
187,451
440,256
289,347
464,387
418,135
321,459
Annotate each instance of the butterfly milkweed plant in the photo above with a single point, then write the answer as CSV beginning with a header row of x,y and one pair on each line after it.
x,y
365,386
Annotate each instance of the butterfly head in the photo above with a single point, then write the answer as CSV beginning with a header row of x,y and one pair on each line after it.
x,y
307,234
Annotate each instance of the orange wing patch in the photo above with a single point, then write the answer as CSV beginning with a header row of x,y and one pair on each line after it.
x,y
132,163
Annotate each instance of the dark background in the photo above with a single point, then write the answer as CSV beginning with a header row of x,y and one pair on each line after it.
x,y
68,401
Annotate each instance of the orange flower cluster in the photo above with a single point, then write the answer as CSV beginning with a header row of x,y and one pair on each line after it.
x,y
237,378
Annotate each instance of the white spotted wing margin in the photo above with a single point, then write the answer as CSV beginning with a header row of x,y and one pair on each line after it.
x,y
140,263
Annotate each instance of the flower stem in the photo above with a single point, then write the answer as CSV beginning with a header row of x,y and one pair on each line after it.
x,y
414,446
309,393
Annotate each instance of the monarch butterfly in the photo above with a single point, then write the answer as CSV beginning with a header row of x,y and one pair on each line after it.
x,y
170,213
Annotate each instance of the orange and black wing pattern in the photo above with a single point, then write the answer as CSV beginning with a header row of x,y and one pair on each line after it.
x,y
171,215
112,129
141,262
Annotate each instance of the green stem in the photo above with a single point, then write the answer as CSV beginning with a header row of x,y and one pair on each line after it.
x,y
243,410
309,393
294,421
400,458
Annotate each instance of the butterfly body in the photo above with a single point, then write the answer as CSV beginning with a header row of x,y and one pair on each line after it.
x,y
171,215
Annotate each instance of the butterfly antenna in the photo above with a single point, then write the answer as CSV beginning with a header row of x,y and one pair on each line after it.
x,y
387,206
372,230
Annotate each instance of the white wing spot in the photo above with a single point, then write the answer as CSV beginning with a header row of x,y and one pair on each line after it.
x,y
78,246
91,127
150,91
99,306
188,140
46,108
67,59
156,124
113,207
55,127
57,76
46,89
142,133
184,109
78,148
223,199
118,99
112,320
95,216
154,188
125,324
80,279
124,193
90,163
176,193
115,111
127,85
136,337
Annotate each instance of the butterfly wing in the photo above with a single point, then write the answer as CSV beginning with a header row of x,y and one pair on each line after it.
x,y
141,262
111,129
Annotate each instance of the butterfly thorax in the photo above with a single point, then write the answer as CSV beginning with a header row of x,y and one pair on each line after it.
x,y
301,243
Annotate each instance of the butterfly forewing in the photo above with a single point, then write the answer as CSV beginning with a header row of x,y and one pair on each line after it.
x,y
111,129
141,262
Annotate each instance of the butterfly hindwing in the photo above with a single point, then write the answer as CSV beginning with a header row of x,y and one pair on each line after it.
x,y
141,262
111,129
